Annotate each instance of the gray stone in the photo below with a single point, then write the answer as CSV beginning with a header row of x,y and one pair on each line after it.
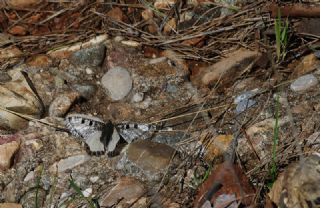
x,y
92,56
86,91
303,83
71,162
244,101
138,97
117,82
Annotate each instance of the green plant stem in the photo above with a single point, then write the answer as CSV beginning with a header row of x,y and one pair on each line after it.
x,y
79,192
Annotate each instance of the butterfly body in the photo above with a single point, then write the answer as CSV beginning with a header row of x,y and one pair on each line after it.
x,y
100,136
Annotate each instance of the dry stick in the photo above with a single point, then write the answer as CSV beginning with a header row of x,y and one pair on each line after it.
x,y
53,16
125,5
188,114
26,15
119,23
224,29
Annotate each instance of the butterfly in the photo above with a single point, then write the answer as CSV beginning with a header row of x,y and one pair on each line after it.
x,y
103,137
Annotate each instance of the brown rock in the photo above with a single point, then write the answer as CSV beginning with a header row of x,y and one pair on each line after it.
x,y
18,30
227,70
39,60
10,52
7,152
23,3
171,25
10,205
150,156
217,146
61,104
127,191
116,14
152,28
298,186
306,65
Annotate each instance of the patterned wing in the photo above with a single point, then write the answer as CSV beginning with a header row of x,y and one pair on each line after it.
x,y
83,126
91,129
132,132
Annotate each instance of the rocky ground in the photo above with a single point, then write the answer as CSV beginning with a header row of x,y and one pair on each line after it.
x,y
238,126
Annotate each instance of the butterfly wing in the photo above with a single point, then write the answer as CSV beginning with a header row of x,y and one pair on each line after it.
x,y
90,129
94,143
82,125
132,132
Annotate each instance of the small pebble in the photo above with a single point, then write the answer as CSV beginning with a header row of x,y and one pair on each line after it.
x,y
87,192
138,97
89,71
303,83
244,102
29,176
94,179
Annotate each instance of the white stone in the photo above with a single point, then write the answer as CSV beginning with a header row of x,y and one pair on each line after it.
x,y
138,97
303,83
71,162
117,82
87,192
89,71
130,43
94,179
29,176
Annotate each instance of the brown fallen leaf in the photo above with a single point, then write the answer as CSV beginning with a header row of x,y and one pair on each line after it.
x,y
227,184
